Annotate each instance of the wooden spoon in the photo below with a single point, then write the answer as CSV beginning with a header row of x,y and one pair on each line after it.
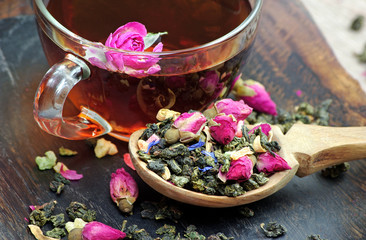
x,y
306,148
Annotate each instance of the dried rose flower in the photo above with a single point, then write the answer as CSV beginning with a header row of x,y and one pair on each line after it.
x,y
210,83
266,128
99,231
223,128
66,172
255,95
238,109
164,114
268,163
130,37
123,190
190,125
241,169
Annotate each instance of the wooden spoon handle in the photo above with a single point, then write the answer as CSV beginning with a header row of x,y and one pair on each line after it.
x,y
317,147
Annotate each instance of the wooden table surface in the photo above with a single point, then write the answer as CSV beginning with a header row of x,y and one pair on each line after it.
x,y
289,55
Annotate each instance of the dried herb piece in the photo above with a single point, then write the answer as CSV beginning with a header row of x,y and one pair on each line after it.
x,y
162,210
48,208
41,214
58,220
38,218
56,233
57,187
362,56
273,229
357,23
59,178
315,237
180,181
135,233
167,232
246,212
219,236
65,152
335,171
79,210
191,233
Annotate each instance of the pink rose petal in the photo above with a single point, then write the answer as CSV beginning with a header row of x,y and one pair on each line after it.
x,y
266,128
268,163
298,93
261,101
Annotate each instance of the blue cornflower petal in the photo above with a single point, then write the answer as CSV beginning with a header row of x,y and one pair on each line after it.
x,y
205,169
210,154
152,144
196,145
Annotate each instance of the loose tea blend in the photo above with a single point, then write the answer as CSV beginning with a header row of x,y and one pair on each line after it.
x,y
190,150
211,152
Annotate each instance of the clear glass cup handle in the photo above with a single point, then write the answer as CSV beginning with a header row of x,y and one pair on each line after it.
x,y
50,99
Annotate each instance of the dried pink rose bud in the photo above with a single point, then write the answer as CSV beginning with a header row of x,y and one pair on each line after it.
x,y
99,231
123,189
268,163
210,82
223,128
241,169
236,108
190,125
255,95
266,128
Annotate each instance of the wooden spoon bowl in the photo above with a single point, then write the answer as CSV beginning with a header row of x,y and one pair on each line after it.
x,y
306,148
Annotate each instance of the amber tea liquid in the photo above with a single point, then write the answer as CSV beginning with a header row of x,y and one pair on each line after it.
x,y
129,103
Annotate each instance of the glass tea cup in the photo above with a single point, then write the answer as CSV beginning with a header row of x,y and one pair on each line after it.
x,y
85,94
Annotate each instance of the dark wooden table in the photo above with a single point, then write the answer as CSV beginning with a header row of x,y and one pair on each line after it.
x,y
290,54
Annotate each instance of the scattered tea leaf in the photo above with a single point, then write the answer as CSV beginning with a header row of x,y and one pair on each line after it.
x,y
273,229
357,23
246,211
66,152
57,187
56,233
335,171
79,210
315,237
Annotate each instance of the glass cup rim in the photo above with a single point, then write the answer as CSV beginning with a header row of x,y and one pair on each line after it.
x,y
83,41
